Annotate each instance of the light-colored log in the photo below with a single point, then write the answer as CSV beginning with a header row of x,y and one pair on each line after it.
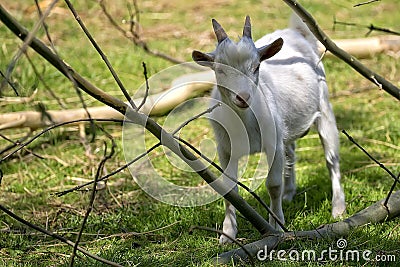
x,y
367,47
182,88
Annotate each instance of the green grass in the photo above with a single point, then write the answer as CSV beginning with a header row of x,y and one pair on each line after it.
x,y
157,233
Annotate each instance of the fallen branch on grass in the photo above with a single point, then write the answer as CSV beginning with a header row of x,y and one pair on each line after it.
x,y
376,213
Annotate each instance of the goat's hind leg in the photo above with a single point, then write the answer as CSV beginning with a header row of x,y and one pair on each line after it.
x,y
329,136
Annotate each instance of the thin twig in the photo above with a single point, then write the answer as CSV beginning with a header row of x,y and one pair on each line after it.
x,y
62,105
146,94
195,227
101,53
16,143
46,29
100,169
7,80
366,3
61,238
209,110
370,156
391,191
27,41
59,194
370,27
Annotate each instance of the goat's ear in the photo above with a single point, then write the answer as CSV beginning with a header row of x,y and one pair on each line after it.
x,y
203,59
270,50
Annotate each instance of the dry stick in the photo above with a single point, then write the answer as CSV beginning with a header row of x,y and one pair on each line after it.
x,y
59,194
103,56
16,143
146,94
61,238
28,40
100,169
8,82
391,190
45,27
366,3
141,119
234,240
62,105
24,144
340,53
396,179
370,27
370,156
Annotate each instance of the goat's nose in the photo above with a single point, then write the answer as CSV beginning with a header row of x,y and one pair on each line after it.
x,y
242,100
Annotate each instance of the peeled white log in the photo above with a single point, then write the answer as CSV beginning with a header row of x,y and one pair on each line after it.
x,y
367,47
182,88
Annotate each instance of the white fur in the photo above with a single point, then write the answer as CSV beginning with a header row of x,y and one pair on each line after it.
x,y
285,99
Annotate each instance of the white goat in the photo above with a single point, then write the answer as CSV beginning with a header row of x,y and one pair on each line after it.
x,y
276,101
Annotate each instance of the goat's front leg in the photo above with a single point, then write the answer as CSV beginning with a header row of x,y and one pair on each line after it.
x,y
289,188
229,227
274,186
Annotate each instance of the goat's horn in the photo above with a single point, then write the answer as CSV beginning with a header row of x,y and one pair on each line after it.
x,y
219,31
247,28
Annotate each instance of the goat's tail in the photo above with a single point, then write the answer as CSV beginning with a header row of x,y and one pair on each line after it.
x,y
297,24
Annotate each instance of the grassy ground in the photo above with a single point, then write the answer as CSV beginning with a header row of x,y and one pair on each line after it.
x,y
156,233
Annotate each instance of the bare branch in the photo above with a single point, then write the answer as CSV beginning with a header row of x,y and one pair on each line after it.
x,y
366,3
371,157
27,42
100,169
146,94
103,56
370,27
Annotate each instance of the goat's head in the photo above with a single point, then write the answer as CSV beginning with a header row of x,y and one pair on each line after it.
x,y
236,65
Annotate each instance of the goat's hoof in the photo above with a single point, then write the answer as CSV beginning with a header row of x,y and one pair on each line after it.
x,y
339,211
288,196
223,240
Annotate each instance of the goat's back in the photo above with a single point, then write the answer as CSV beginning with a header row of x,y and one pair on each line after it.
x,y
292,80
